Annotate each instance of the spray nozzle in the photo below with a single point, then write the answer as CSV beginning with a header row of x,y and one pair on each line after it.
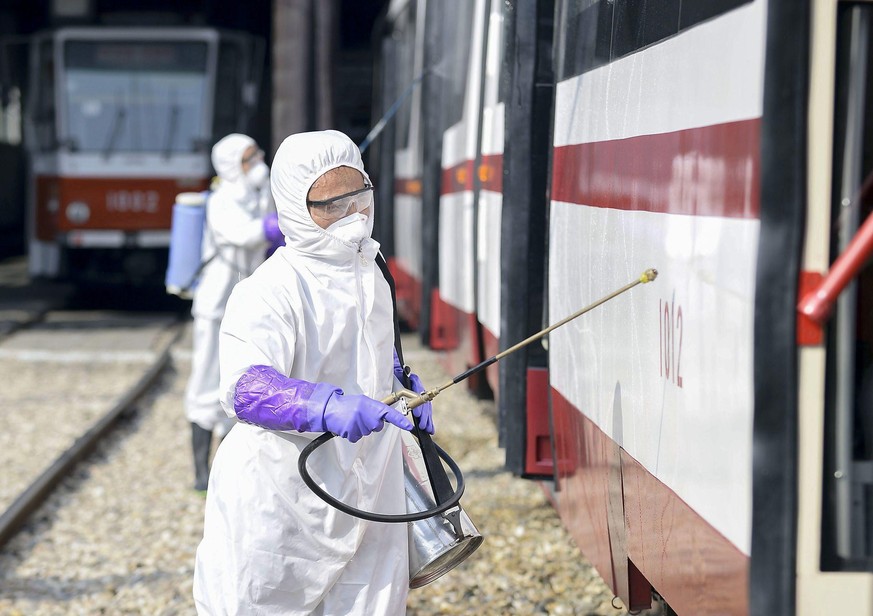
x,y
412,399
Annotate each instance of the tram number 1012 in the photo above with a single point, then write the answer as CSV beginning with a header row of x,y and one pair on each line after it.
x,y
670,326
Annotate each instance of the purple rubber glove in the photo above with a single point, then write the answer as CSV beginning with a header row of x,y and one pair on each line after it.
x,y
272,233
271,400
423,413
356,416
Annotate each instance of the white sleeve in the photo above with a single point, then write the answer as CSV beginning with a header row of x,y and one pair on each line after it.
x,y
232,225
253,333
266,203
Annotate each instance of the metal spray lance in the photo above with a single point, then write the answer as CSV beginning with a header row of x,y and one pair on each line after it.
x,y
413,399
438,544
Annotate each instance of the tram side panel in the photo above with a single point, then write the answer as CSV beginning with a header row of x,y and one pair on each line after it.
x,y
453,321
406,38
446,306
656,164
489,187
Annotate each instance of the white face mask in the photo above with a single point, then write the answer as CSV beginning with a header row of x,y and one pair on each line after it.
x,y
353,228
258,175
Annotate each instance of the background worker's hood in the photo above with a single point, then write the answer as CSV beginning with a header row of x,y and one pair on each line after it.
x,y
227,156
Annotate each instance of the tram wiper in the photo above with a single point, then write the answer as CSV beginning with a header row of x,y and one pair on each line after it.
x,y
171,131
116,129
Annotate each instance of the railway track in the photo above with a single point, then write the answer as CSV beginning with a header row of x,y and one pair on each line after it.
x,y
23,302
68,365
32,497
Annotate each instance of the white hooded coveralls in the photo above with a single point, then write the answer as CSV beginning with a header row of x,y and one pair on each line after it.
x,y
234,230
319,310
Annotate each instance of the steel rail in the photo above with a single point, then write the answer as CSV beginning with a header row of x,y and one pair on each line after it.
x,y
42,487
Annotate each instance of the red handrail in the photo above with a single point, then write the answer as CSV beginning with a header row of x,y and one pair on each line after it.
x,y
817,304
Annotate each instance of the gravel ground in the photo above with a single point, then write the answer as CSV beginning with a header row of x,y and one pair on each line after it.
x,y
119,537
48,406
527,563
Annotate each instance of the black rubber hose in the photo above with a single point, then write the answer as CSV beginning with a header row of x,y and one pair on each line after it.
x,y
369,515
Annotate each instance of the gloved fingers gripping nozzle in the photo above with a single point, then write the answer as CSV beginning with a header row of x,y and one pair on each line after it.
x,y
422,410
355,416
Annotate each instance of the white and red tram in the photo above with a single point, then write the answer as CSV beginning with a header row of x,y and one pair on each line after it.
x,y
400,154
458,300
708,444
118,121
656,159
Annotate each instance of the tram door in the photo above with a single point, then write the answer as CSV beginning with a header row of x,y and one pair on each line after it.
x,y
848,536
525,96
403,57
488,192
835,479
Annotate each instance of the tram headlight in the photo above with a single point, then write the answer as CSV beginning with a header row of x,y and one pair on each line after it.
x,y
78,212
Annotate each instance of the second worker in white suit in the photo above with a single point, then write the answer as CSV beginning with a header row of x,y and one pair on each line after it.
x,y
240,226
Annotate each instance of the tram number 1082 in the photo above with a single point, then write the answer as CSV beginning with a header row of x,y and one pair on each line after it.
x,y
132,201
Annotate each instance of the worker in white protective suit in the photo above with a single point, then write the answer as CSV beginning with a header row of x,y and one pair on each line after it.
x,y
240,225
306,347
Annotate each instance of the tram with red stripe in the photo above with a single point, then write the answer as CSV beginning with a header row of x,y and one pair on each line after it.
x,y
118,121
708,438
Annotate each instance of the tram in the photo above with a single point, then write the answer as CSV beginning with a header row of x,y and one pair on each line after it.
x,y
710,447
118,121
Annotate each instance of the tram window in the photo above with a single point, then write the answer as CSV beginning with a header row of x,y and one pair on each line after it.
x,y
44,101
404,59
498,68
696,11
13,92
135,96
10,116
586,36
638,23
505,71
454,65
229,77
596,32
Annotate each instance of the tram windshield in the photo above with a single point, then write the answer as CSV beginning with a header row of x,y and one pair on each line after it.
x,y
135,96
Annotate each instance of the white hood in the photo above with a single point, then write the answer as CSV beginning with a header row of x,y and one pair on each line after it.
x,y
299,161
227,156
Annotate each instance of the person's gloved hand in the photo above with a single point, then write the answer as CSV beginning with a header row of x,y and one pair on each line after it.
x,y
356,416
272,233
264,397
423,413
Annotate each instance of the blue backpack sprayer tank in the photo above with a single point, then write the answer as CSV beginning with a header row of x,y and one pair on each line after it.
x,y
186,240
441,534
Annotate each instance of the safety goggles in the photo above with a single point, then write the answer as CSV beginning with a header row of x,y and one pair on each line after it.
x,y
343,205
257,155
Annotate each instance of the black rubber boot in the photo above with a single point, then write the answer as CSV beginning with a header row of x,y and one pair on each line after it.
x,y
201,441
